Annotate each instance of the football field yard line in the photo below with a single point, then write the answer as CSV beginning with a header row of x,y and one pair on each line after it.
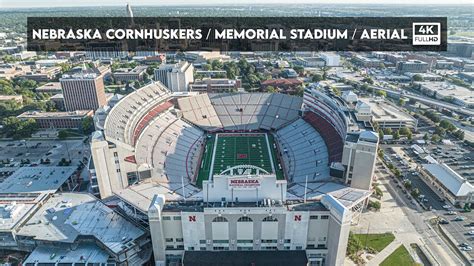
x,y
270,154
213,157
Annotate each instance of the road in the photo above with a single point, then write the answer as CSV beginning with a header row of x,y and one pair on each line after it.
x,y
420,220
429,101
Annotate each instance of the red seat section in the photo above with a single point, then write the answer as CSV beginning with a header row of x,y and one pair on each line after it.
x,y
148,117
331,137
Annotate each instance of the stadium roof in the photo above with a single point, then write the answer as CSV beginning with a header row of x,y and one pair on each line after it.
x,y
37,179
84,253
65,217
455,183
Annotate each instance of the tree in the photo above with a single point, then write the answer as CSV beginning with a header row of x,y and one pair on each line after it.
x,y
387,131
316,78
435,138
381,134
440,131
404,131
415,192
299,69
18,128
271,89
378,192
396,135
459,134
63,134
381,93
426,137
87,125
407,184
417,77
374,205
216,65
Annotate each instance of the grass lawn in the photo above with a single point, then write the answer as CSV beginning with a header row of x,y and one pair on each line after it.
x,y
399,257
375,241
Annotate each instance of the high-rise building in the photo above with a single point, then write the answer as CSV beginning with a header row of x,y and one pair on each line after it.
x,y
176,77
83,89
358,157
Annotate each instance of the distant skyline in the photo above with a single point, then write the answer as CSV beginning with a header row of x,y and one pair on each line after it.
x,y
62,3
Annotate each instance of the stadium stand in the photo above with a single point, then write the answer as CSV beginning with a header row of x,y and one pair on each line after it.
x,y
297,140
122,121
171,147
333,140
240,111
199,111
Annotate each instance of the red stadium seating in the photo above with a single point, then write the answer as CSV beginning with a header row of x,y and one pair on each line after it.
x,y
332,139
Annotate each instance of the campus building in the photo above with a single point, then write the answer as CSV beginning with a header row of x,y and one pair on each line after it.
x,y
83,89
176,77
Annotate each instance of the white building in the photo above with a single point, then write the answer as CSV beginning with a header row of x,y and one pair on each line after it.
x,y
360,149
331,59
385,114
176,77
448,184
349,96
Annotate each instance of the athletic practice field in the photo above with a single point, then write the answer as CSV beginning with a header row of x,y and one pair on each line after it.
x,y
225,150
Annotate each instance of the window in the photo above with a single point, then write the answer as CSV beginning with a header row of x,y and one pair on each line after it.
x,y
244,241
176,218
324,217
287,240
298,247
219,219
169,239
313,217
166,218
179,240
269,219
221,241
245,219
202,241
202,248
169,247
269,240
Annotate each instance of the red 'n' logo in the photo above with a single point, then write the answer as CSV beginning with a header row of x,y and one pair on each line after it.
x,y
297,218
192,218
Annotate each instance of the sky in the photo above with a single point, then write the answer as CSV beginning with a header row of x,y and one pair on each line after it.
x,y
63,3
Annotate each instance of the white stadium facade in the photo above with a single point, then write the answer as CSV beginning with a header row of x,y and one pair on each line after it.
x,y
174,162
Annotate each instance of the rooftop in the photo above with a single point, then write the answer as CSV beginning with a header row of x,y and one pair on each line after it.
x,y
88,253
37,179
383,111
36,114
66,216
455,183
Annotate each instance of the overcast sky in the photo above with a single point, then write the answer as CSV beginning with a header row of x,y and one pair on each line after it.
x,y
65,3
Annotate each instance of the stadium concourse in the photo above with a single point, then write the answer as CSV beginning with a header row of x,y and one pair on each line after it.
x,y
187,165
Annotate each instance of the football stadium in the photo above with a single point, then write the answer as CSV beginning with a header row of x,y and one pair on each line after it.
x,y
236,172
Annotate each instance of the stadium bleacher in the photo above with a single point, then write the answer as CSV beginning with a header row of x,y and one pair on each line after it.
x,y
170,147
130,111
240,111
298,140
333,140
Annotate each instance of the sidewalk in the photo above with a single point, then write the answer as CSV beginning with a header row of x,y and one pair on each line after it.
x,y
382,255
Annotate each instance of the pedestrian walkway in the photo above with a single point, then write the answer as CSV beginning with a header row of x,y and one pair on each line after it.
x,y
382,255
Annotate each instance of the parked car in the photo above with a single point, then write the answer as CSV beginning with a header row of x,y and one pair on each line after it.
x,y
459,218
446,207
443,221
452,213
468,248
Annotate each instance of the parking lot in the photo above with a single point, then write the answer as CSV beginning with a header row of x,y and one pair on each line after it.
x,y
32,153
459,158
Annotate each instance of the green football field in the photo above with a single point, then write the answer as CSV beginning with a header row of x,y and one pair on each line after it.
x,y
225,150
